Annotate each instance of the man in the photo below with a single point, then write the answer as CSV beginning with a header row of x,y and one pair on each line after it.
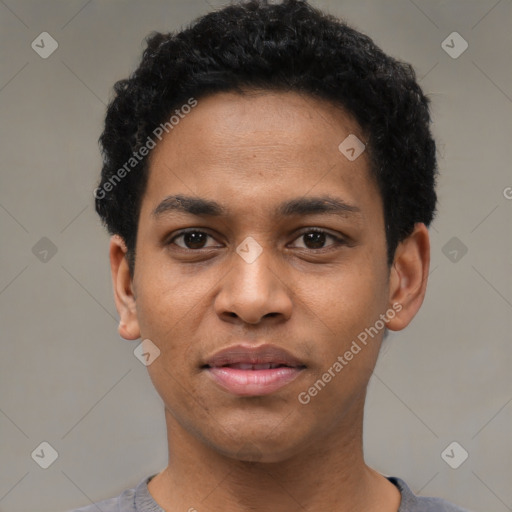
x,y
268,180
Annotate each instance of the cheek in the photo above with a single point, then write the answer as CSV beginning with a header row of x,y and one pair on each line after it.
x,y
165,297
347,301
347,305
170,306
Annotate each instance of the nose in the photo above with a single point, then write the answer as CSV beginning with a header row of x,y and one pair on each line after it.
x,y
253,292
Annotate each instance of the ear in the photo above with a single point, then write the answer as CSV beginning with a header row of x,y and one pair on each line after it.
x,y
123,290
408,277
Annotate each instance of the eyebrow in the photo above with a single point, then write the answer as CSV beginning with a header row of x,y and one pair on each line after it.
x,y
315,205
189,204
300,206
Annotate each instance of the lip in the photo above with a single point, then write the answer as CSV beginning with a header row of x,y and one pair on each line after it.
x,y
240,380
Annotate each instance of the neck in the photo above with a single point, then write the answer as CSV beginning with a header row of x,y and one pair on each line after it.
x,y
328,474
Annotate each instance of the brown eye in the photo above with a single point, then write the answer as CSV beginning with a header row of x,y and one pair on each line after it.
x,y
192,240
314,240
317,238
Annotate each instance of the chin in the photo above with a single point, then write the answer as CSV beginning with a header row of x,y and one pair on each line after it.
x,y
257,449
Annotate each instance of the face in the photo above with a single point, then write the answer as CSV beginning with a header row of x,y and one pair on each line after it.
x,y
256,230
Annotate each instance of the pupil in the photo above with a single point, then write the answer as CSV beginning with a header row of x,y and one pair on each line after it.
x,y
194,240
317,239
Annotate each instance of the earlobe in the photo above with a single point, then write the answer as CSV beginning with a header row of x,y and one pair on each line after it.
x,y
123,290
408,277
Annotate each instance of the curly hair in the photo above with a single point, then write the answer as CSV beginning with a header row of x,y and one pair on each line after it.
x,y
290,46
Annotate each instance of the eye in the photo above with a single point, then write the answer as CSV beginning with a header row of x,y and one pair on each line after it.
x,y
315,238
192,239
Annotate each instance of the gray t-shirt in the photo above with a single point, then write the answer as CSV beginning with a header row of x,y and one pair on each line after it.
x,y
139,499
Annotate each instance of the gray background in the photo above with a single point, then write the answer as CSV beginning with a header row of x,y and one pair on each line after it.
x,y
66,376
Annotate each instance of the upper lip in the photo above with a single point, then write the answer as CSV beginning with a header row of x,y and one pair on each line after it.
x,y
248,354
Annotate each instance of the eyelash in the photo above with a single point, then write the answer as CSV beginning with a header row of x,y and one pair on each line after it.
x,y
338,241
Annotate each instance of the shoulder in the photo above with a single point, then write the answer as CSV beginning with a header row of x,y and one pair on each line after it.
x,y
412,503
137,499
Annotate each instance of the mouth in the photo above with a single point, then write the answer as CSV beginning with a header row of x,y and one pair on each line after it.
x,y
250,366
244,370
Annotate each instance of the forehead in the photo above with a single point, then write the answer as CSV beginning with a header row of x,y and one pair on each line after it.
x,y
258,148
232,123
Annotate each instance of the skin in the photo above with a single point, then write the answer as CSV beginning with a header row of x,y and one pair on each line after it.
x,y
250,153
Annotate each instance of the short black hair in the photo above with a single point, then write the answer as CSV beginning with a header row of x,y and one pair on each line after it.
x,y
289,46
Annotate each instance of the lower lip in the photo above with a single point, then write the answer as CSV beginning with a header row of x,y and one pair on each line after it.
x,y
253,382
